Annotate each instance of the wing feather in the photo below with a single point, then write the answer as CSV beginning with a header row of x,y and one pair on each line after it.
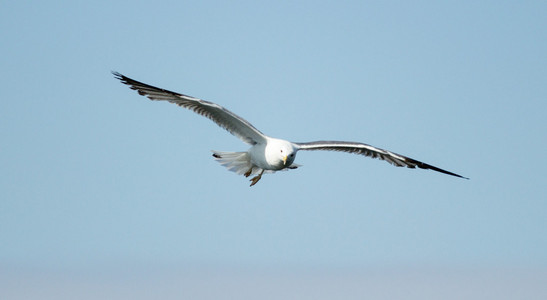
x,y
224,118
373,152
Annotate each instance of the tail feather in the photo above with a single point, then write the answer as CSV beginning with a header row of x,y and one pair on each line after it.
x,y
238,162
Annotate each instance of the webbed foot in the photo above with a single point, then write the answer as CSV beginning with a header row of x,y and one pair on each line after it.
x,y
255,179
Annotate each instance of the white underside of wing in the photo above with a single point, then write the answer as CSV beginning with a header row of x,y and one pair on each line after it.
x,y
370,151
357,148
226,119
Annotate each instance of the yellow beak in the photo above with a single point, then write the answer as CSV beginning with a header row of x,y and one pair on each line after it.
x,y
285,160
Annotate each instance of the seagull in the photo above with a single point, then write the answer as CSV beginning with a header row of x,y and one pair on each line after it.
x,y
267,154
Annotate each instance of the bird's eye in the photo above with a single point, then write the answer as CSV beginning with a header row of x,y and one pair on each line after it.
x,y
292,155
281,150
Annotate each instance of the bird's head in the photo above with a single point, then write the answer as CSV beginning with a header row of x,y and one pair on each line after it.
x,y
287,154
282,153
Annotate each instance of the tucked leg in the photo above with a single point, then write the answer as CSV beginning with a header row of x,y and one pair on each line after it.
x,y
255,179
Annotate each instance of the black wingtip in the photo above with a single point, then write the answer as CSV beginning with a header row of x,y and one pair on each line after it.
x,y
446,172
449,173
425,166
118,75
130,82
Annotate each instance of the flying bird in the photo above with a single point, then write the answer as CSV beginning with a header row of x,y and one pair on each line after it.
x,y
266,154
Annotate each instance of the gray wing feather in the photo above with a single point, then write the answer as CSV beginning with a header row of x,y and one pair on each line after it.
x,y
373,152
218,114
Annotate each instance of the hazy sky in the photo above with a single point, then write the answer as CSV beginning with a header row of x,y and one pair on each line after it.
x,y
95,177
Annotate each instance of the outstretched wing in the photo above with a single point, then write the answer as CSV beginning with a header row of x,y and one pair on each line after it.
x,y
373,152
218,114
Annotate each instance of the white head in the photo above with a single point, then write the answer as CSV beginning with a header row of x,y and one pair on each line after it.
x,y
280,153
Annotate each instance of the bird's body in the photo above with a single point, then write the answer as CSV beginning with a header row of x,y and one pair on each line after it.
x,y
266,154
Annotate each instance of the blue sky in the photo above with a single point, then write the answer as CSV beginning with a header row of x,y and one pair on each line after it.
x,y
95,177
